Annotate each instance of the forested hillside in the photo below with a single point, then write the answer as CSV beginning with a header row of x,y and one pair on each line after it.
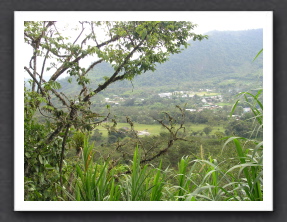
x,y
223,56
226,57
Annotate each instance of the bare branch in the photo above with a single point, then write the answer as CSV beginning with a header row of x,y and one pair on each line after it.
x,y
63,154
115,38
92,66
92,27
54,134
173,134
50,117
136,135
43,67
35,80
99,122
55,93
83,28
64,67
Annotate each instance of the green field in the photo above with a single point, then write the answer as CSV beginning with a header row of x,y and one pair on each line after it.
x,y
205,93
224,104
156,129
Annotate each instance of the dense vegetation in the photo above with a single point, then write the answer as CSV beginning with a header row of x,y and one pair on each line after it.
x,y
139,145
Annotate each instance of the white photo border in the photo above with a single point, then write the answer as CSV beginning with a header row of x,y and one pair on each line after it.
x,y
21,205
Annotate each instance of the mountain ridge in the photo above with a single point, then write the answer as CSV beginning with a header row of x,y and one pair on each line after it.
x,y
226,56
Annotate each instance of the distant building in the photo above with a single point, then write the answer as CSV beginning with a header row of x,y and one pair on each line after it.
x,y
247,110
237,117
191,110
164,95
179,92
143,133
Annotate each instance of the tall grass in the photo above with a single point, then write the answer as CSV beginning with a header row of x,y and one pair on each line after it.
x,y
250,169
241,182
144,183
94,183
251,161
194,180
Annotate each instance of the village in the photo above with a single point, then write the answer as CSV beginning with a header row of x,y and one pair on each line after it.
x,y
198,101
208,99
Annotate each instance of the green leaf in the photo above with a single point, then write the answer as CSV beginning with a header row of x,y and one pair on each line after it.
x,y
258,54
49,167
40,159
234,107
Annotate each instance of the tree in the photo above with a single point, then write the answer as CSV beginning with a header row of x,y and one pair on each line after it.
x,y
207,130
132,48
97,136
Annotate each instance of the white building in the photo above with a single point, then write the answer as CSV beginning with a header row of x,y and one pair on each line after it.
x,y
247,110
143,133
191,110
165,95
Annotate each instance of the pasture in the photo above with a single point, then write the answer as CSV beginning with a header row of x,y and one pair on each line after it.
x,y
204,93
156,129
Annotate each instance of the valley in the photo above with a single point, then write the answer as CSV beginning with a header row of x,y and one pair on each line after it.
x,y
160,114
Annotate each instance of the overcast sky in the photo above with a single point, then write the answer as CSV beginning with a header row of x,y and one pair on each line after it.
x,y
207,20
223,21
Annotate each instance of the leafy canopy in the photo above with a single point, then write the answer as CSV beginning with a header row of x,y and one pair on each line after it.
x,y
131,47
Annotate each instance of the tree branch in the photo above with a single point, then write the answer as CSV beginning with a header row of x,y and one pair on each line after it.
x,y
92,66
62,155
57,95
112,78
43,66
35,80
79,34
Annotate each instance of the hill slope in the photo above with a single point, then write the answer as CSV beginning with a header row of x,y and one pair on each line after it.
x,y
225,55
224,58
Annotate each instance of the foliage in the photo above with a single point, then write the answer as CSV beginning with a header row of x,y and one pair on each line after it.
x,y
78,141
40,160
198,177
207,130
94,182
131,47
256,121
177,164
143,184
